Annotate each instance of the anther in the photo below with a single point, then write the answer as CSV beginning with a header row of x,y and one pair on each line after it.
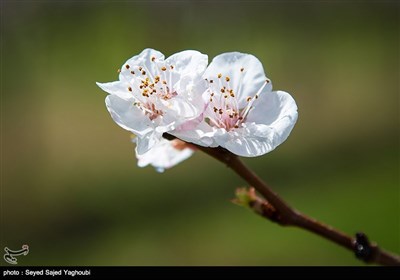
x,y
227,79
241,69
248,98
219,75
153,58
133,72
118,70
163,68
129,88
143,72
172,67
127,66
222,90
211,81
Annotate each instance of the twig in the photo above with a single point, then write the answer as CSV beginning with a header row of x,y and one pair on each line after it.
x,y
277,210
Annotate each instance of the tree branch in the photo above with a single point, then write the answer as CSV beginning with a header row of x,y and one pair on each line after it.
x,y
277,210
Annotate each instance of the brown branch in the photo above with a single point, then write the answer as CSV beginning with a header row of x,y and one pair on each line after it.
x,y
277,210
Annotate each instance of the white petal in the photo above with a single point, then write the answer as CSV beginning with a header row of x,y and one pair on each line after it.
x,y
181,108
253,141
147,142
244,83
202,134
144,59
117,88
276,109
128,116
164,155
188,62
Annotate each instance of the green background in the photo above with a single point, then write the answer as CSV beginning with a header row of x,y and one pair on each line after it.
x,y
70,187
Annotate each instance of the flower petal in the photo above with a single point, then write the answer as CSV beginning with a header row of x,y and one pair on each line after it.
x,y
128,116
181,108
245,72
276,109
164,155
252,141
144,59
117,88
188,62
147,142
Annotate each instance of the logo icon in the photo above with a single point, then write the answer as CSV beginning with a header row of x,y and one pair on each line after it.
x,y
9,256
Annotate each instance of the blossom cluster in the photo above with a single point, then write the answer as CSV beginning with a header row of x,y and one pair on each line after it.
x,y
228,103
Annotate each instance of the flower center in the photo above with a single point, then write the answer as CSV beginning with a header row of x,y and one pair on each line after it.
x,y
150,90
226,111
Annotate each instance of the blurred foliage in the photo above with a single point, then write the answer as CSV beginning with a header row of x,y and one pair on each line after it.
x,y
70,187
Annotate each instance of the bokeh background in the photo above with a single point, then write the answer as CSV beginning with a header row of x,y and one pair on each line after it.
x,y
70,187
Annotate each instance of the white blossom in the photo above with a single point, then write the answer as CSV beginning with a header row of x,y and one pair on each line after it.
x,y
243,114
155,95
